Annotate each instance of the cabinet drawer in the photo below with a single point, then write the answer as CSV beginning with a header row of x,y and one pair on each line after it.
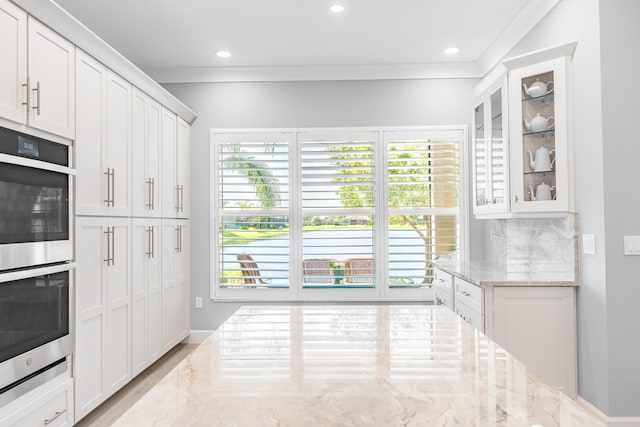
x,y
55,409
469,294
443,280
444,298
470,315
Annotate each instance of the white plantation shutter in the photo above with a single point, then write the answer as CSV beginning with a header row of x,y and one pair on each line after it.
x,y
338,190
364,211
253,194
423,188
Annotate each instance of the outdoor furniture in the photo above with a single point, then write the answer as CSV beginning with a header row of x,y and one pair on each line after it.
x,y
318,270
358,270
250,270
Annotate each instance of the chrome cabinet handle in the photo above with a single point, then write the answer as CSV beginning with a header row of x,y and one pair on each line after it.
x,y
516,198
180,239
440,280
177,248
153,193
56,415
465,293
153,240
177,204
27,102
113,187
111,258
182,198
148,252
110,174
37,91
149,203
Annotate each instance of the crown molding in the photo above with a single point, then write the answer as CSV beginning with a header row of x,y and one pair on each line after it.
x,y
530,15
309,73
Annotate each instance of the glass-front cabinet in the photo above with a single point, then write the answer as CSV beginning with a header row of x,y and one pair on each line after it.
x,y
540,162
490,152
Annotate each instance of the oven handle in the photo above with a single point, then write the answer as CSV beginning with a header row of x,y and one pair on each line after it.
x,y
38,164
34,272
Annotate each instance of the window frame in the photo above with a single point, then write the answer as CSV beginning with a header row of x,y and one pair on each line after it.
x,y
296,292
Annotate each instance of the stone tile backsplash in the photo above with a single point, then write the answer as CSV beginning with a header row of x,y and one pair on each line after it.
x,y
534,244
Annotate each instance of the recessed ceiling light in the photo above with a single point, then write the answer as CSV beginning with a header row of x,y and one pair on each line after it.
x,y
451,50
223,54
337,8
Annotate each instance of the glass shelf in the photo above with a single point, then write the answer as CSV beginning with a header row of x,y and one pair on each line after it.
x,y
544,99
541,173
544,133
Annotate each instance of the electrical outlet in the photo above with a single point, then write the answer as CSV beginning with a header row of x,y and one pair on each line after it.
x,y
198,302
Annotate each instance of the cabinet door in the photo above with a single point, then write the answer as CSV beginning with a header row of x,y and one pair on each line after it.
x,y
146,318
539,138
90,352
184,169
169,164
51,62
183,291
91,102
491,153
169,279
13,67
118,143
145,174
118,371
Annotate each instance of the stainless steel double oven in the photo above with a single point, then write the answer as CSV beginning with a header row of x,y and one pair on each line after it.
x,y
36,253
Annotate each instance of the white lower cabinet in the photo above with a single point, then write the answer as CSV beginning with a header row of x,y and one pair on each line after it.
x,y
536,324
175,281
103,310
52,408
443,287
146,293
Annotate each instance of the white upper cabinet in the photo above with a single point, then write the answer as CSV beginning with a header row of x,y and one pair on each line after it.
x,y
491,151
13,67
145,173
540,146
103,140
51,82
37,73
528,174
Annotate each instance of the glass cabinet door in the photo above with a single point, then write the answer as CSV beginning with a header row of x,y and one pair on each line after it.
x,y
490,153
539,138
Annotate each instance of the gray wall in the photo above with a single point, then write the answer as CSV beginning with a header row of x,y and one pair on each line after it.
x,y
604,96
619,42
303,104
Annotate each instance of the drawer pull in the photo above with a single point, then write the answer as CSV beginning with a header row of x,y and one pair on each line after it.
x,y
440,280
57,414
465,293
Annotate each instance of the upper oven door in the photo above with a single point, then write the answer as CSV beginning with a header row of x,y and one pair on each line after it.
x,y
35,220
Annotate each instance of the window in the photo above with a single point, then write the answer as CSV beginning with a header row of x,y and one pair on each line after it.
x,y
334,213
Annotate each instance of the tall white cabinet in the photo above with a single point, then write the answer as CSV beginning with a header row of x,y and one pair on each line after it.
x,y
103,310
37,73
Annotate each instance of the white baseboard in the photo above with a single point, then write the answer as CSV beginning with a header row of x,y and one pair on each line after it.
x,y
196,337
611,421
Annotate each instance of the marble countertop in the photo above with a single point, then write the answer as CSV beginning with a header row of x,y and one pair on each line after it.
x,y
355,365
485,274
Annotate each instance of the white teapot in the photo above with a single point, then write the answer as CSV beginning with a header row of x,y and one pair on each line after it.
x,y
543,192
537,88
539,123
542,161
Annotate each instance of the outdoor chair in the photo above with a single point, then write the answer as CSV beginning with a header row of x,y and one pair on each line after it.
x,y
318,270
358,271
250,270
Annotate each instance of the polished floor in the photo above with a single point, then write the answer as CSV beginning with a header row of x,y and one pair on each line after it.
x,y
341,366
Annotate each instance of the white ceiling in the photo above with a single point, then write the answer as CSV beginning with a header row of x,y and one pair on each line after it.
x,y
171,40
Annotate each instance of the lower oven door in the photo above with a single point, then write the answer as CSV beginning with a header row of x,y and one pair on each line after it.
x,y
34,320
